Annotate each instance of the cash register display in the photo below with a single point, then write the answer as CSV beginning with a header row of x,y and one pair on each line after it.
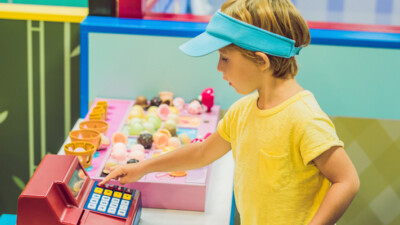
x,y
77,180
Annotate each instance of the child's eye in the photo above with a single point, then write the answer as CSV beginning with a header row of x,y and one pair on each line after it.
x,y
224,59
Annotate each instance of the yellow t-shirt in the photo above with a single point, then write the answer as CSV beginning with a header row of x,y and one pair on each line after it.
x,y
276,181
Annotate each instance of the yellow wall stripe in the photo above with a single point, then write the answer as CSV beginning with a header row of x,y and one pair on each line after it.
x,y
43,13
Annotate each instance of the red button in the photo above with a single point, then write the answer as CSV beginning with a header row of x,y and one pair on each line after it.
x,y
100,185
128,191
119,188
109,186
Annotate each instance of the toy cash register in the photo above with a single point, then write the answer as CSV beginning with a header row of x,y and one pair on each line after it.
x,y
61,192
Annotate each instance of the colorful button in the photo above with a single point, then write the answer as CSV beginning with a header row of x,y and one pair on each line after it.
x,y
120,189
115,200
117,194
108,192
109,186
112,210
102,208
98,190
92,206
96,196
128,191
127,197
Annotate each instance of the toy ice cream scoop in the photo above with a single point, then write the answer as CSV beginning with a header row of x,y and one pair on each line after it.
x,y
137,147
146,140
179,103
119,154
207,98
119,137
163,111
194,107
137,155
141,101
166,97
160,140
184,138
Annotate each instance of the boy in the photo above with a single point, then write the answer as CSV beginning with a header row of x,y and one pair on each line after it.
x,y
290,166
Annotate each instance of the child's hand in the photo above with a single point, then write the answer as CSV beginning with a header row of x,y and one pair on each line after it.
x,y
125,173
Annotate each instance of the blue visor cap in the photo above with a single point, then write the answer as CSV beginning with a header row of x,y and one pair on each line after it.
x,y
224,30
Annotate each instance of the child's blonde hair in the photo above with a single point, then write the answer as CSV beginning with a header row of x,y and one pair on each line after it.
x,y
277,16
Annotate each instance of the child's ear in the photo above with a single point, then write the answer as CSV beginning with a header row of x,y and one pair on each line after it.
x,y
263,61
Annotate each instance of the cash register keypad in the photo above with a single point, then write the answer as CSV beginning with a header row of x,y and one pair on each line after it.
x,y
110,199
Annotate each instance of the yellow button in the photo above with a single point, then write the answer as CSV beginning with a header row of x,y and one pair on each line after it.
x,y
117,194
98,190
108,192
127,197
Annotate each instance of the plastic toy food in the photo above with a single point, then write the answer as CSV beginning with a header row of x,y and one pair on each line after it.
x,y
178,174
163,111
109,165
86,135
119,137
133,161
141,101
119,154
137,155
207,98
156,101
179,103
149,126
137,147
194,107
174,142
83,150
136,129
166,97
184,138
160,140
98,125
119,145
171,127
173,117
146,140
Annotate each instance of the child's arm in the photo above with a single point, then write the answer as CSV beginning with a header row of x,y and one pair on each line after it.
x,y
337,167
189,157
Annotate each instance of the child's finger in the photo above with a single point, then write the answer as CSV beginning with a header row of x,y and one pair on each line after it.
x,y
114,174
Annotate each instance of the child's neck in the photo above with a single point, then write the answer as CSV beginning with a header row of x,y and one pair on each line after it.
x,y
275,91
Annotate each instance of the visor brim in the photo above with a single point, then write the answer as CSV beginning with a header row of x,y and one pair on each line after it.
x,y
203,44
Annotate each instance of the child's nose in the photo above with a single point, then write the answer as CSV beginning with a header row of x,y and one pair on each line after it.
x,y
219,66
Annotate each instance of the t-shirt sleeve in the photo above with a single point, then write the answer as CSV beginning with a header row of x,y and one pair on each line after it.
x,y
319,135
224,125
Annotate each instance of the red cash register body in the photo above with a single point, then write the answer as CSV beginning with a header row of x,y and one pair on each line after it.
x,y
58,193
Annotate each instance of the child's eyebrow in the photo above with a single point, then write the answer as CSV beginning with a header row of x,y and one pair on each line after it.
x,y
221,50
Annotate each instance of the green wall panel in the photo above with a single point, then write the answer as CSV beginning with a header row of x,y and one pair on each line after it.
x,y
14,99
23,143
374,147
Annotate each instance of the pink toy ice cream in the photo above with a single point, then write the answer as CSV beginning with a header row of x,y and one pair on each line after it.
x,y
163,111
137,155
119,145
174,142
179,103
207,98
194,108
119,154
137,147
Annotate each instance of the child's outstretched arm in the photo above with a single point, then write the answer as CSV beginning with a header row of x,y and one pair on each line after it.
x,y
338,168
191,156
